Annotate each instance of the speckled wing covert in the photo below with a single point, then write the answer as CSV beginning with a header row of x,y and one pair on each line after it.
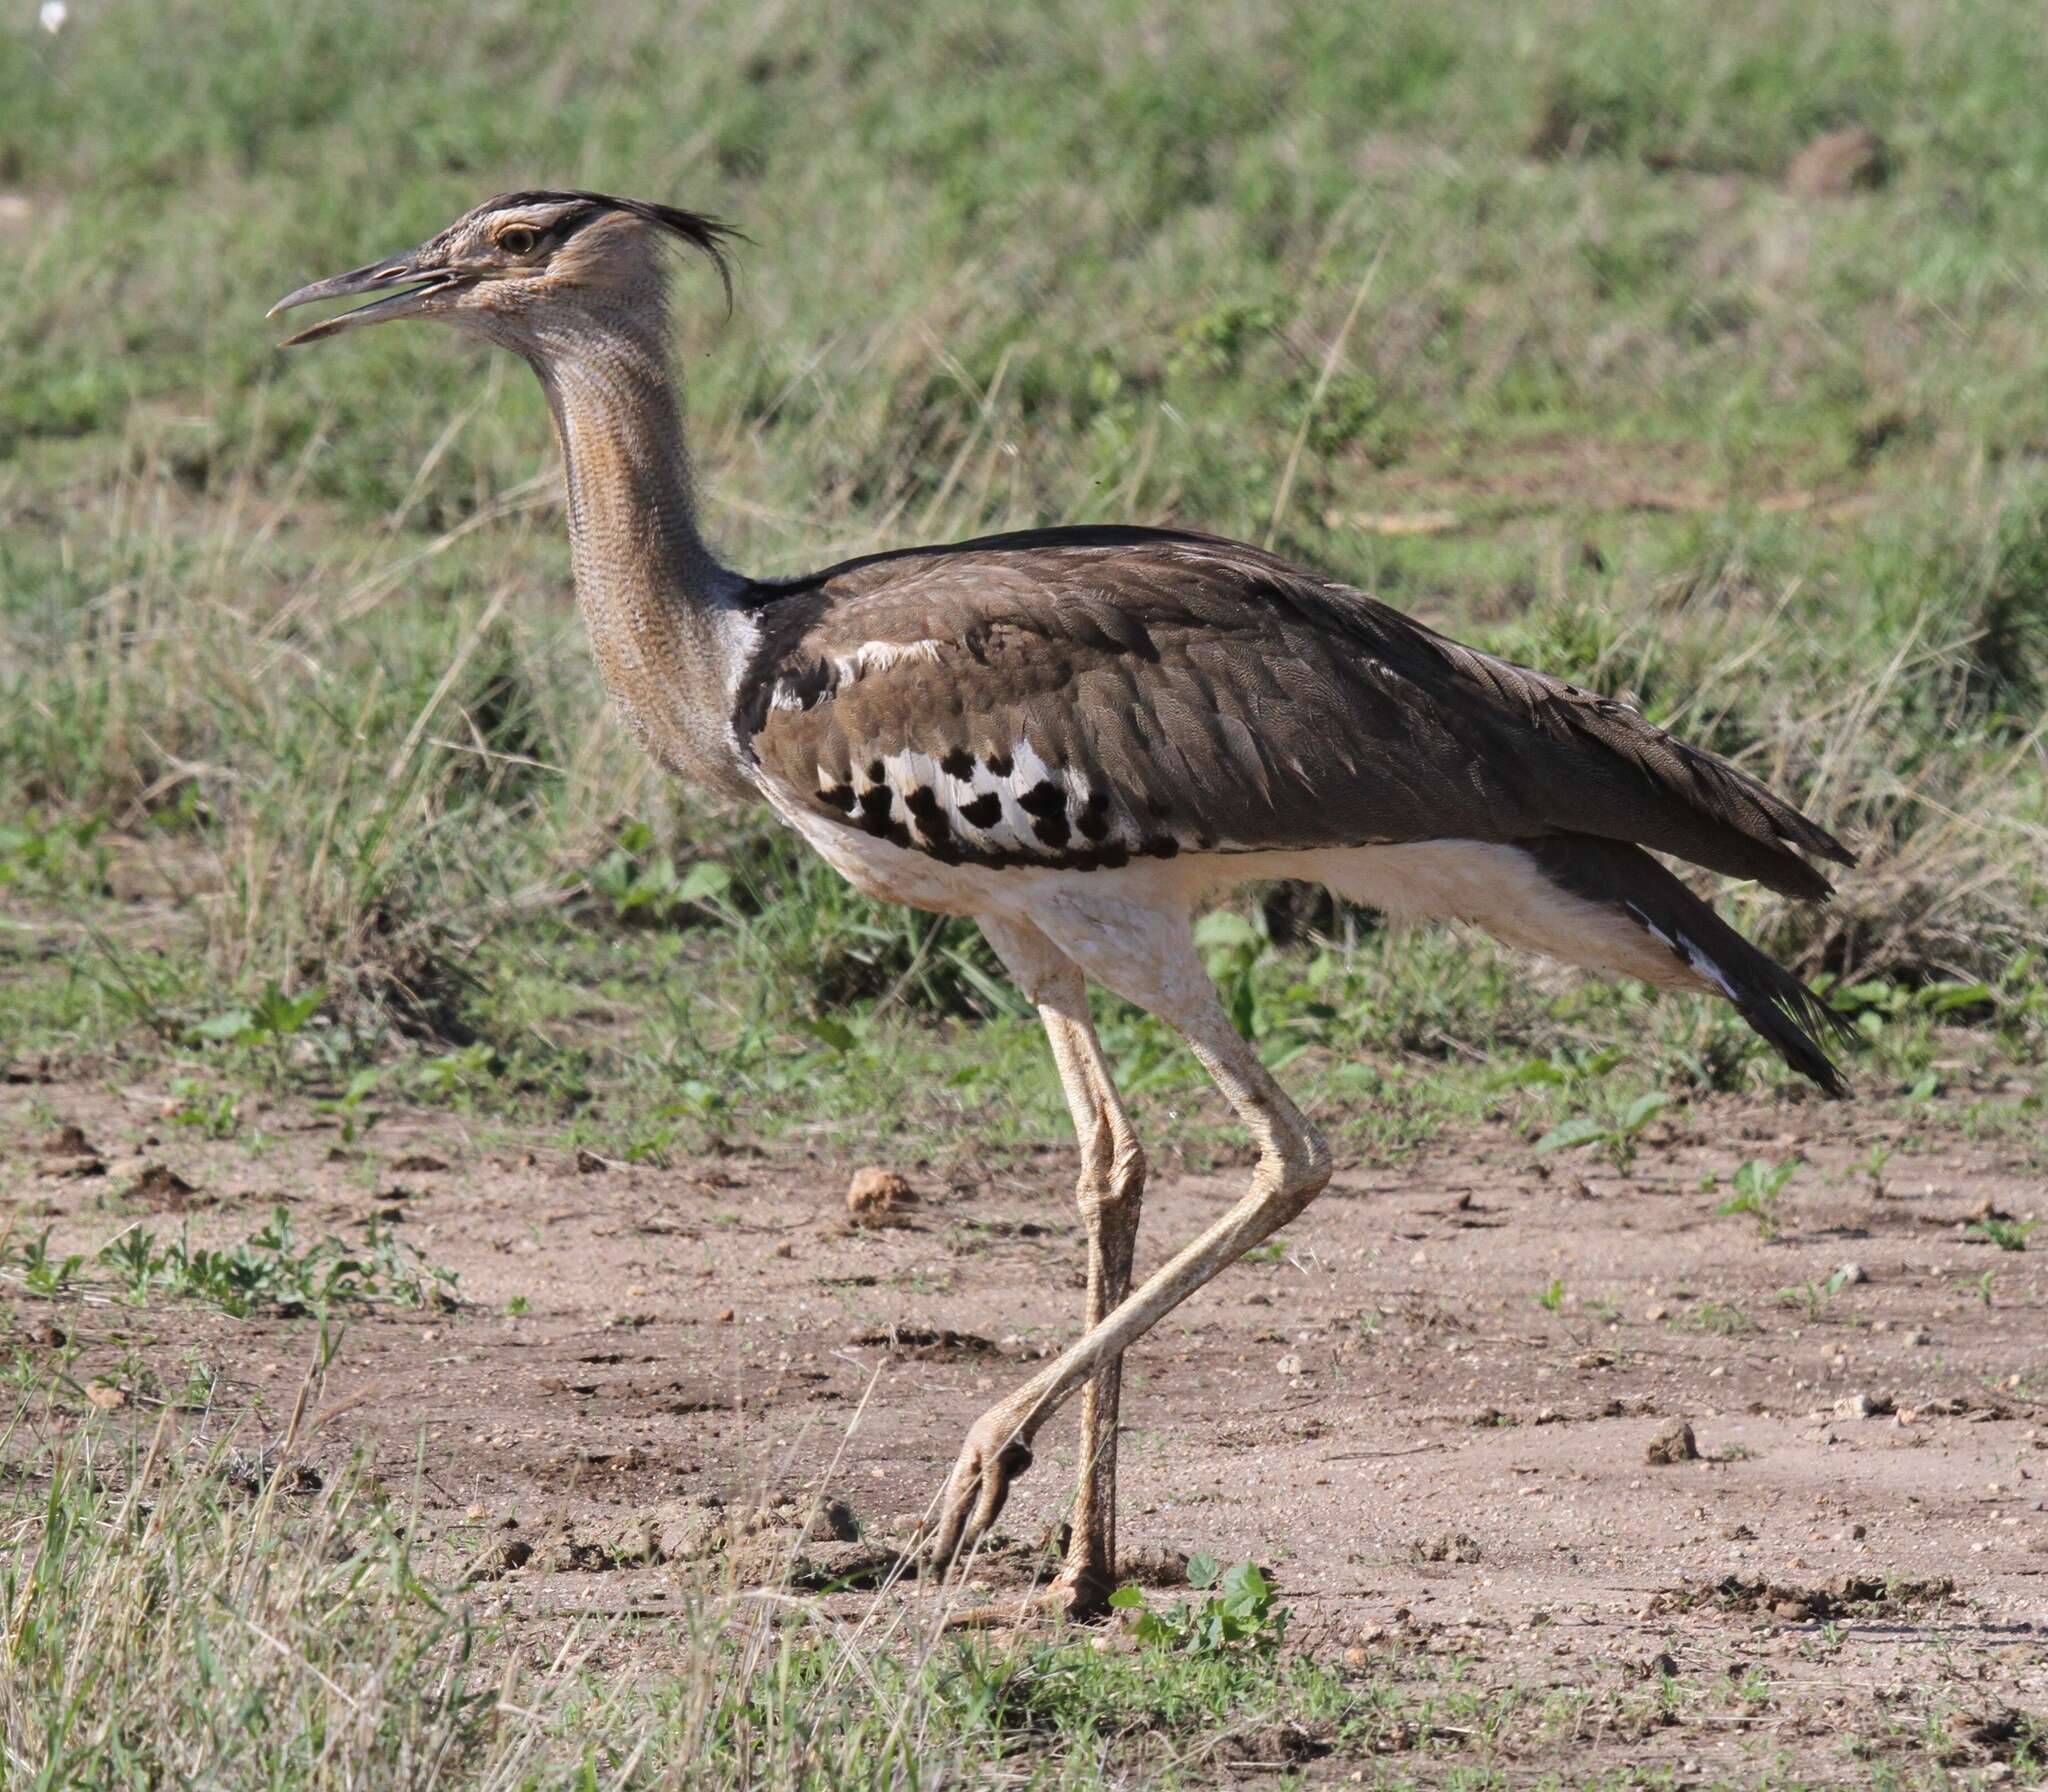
x,y
1081,697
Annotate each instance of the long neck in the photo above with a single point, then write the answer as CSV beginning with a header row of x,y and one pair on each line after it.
x,y
659,606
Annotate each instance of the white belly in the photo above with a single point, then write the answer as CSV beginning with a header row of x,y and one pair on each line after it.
x,y
1493,886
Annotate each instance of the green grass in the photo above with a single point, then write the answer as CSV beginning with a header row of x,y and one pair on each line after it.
x,y
306,783
284,639
184,1612
266,1272
180,1614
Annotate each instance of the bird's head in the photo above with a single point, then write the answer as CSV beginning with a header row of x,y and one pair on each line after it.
x,y
526,270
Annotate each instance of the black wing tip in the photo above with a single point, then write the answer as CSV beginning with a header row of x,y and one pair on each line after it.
x,y
1822,844
1787,1015
1793,1019
1801,1024
1826,1076
1792,876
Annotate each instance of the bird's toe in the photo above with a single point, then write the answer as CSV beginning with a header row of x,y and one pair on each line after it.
x,y
990,1461
1081,1593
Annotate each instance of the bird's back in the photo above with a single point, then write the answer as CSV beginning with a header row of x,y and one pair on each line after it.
x,y
1083,697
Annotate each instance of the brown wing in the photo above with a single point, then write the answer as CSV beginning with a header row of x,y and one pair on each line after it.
x,y
1079,698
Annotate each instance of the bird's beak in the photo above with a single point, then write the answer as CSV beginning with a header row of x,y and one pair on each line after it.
x,y
405,280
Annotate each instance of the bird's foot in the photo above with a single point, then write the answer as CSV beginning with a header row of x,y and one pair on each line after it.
x,y
1050,1603
1083,1591
990,1460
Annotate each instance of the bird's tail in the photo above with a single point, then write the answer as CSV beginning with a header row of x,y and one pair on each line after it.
x,y
1774,1002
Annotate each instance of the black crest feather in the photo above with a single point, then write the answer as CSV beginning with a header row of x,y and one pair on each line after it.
x,y
710,236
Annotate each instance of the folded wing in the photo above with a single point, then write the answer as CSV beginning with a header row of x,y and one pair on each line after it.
x,y
1084,697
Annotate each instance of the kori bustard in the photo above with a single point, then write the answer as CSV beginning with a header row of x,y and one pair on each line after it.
x,y
1075,736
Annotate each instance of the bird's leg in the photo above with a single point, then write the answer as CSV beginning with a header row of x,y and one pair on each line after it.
x,y
1149,960
1110,1190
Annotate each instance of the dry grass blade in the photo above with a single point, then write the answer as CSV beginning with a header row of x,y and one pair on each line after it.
x,y
1331,358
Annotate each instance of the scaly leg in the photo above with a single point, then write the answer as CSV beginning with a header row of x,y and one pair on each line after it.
x,y
1111,1187
1145,954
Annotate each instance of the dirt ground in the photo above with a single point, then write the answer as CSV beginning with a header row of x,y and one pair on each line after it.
x,y
1427,1456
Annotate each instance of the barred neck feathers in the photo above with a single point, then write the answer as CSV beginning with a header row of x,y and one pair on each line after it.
x,y
664,625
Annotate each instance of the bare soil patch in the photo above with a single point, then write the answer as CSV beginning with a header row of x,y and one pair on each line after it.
x,y
1431,1460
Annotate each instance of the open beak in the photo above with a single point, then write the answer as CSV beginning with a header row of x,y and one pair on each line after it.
x,y
405,284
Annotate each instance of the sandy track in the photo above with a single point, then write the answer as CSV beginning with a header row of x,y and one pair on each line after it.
x,y
1427,1456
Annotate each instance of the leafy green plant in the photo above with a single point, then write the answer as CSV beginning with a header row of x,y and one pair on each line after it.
x,y
213,1114
267,1270
2006,1234
1722,1319
453,1074
833,1034
1214,341
39,1272
350,1108
273,1018
1242,1612
201,1385
1874,1003
1619,1137
1568,1068
1814,1296
1231,948
643,886
62,858
1551,1300
1871,1167
1758,1189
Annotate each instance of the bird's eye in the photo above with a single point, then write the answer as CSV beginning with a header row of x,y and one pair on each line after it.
x,y
518,240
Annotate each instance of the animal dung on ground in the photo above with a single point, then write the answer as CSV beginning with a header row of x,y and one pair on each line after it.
x,y
875,1195
1864,1406
927,1343
667,1531
1675,1443
809,1547
1452,1546
1154,1568
1843,1595
831,1521
1839,162
161,1189
68,1152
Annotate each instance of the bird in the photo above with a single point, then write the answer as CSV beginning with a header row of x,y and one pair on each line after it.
x,y
1078,736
